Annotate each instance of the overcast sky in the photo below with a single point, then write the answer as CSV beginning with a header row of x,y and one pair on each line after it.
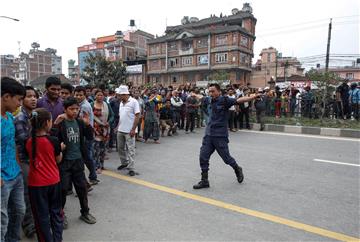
x,y
294,27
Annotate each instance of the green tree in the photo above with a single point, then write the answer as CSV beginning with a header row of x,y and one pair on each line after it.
x,y
101,72
326,82
220,75
118,73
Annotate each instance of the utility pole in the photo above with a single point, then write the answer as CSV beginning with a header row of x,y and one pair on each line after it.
x,y
328,47
276,65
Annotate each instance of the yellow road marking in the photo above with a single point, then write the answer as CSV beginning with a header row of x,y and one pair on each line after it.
x,y
253,213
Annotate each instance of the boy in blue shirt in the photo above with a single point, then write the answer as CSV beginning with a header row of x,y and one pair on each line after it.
x,y
12,186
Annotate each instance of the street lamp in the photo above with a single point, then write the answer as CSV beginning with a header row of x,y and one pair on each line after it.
x,y
14,19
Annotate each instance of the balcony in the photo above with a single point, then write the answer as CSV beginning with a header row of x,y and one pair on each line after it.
x,y
186,51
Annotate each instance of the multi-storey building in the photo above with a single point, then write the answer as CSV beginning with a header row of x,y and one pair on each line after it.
x,y
197,49
128,47
73,72
9,66
38,63
273,65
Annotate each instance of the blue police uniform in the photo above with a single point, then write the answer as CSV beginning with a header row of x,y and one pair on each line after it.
x,y
216,135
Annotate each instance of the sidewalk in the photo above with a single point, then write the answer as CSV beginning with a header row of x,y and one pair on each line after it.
x,y
350,133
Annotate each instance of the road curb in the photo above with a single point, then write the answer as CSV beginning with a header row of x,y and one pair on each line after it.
x,y
349,133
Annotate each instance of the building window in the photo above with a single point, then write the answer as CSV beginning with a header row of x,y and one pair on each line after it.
x,y
203,59
202,43
244,41
154,64
186,45
350,76
221,40
187,61
221,58
243,58
155,49
172,46
173,62
234,39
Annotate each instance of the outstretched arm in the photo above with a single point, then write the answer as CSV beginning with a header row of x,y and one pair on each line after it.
x,y
247,99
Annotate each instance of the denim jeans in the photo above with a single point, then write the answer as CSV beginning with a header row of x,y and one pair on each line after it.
x,y
90,163
12,208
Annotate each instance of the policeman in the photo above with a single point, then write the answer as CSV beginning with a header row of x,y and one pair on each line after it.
x,y
216,135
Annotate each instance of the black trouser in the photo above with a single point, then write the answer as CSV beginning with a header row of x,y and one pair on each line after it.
x,y
28,222
209,145
232,119
190,121
244,113
46,207
73,171
182,118
260,114
355,110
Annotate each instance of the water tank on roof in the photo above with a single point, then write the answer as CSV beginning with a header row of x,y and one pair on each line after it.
x,y
235,11
132,23
194,20
35,45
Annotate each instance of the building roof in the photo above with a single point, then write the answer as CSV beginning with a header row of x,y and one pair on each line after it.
x,y
211,20
202,32
105,39
143,33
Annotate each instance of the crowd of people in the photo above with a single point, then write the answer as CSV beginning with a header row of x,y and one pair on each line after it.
x,y
343,103
48,138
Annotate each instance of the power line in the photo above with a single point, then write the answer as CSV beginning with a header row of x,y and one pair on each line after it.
x,y
308,22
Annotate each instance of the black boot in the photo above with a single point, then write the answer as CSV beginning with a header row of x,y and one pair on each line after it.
x,y
204,183
239,174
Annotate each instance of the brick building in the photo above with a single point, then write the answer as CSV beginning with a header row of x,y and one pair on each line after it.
x,y
38,63
273,65
9,66
130,48
196,49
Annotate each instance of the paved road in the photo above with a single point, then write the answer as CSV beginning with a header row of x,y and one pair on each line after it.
x,y
281,179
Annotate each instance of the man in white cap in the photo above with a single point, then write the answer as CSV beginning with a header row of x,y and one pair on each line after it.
x,y
129,113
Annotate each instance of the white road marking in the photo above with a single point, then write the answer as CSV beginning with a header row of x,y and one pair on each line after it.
x,y
302,135
336,162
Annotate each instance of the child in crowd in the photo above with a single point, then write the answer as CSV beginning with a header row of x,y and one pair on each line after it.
x,y
73,131
44,179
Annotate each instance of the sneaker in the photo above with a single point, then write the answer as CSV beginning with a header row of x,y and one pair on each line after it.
x,y
94,182
131,173
65,222
122,167
88,218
